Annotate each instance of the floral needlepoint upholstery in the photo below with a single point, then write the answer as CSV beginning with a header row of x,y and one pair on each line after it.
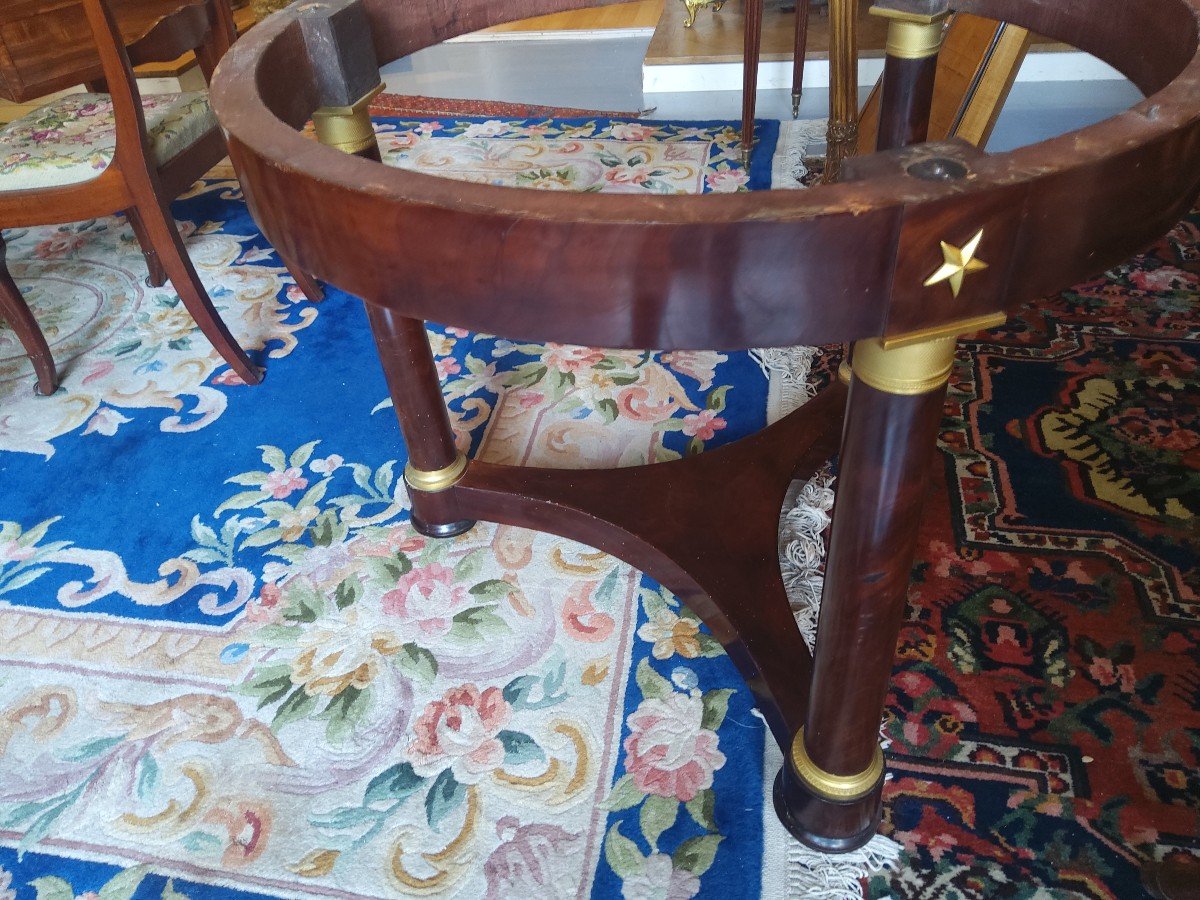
x,y
73,138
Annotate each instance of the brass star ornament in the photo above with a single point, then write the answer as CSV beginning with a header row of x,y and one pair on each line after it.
x,y
959,263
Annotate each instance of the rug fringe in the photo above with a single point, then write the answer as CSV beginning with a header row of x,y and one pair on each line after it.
x,y
797,141
802,537
820,876
787,371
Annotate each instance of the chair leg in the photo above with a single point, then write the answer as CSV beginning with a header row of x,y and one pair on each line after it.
x,y
801,46
15,311
752,52
158,275
310,286
164,236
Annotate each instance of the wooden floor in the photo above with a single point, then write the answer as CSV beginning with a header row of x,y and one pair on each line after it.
x,y
640,14
718,37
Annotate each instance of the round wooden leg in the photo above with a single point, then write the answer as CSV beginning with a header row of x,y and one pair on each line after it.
x,y
801,46
829,792
753,47
826,825
447,530
434,464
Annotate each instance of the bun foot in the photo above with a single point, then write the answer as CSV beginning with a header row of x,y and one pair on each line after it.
x,y
447,530
826,825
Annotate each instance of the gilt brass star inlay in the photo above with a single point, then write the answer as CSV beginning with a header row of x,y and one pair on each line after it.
x,y
960,262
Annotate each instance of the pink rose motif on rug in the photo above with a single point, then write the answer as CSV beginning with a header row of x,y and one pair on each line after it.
x,y
427,599
460,730
669,752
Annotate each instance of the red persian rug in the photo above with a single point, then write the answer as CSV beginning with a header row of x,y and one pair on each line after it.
x,y
436,107
1045,709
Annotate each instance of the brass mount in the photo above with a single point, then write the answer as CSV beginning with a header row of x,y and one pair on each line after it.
x,y
437,480
348,128
841,788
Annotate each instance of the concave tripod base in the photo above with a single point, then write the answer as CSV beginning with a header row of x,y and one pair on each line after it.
x,y
447,530
843,826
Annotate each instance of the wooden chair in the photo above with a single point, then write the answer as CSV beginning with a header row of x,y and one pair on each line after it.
x,y
93,154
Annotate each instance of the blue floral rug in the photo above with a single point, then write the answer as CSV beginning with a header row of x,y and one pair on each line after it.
x,y
229,668
228,665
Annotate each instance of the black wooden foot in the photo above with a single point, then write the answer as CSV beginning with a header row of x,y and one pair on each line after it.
x,y
826,825
447,530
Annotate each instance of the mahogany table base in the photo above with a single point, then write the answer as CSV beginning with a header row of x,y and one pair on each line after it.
x,y
886,259
706,527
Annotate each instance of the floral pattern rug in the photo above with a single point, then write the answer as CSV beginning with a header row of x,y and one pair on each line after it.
x,y
229,668
228,665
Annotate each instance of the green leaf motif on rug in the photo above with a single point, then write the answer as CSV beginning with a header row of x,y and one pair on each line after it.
x,y
393,784
716,705
653,686
622,854
656,816
519,748
696,854
445,796
121,886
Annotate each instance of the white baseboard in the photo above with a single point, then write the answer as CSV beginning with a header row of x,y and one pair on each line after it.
x,y
685,77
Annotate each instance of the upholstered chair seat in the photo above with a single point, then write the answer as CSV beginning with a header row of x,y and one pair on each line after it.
x,y
73,138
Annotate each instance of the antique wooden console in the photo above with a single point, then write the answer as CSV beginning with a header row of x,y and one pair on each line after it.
x,y
915,246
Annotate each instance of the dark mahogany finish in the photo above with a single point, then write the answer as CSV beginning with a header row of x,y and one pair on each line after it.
x,y
750,62
907,99
885,450
803,9
844,262
403,346
885,455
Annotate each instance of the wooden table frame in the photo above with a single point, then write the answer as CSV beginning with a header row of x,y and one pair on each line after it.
x,y
882,258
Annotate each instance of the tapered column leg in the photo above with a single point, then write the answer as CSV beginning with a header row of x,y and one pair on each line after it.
x,y
753,48
157,275
15,311
829,792
915,29
803,7
434,463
